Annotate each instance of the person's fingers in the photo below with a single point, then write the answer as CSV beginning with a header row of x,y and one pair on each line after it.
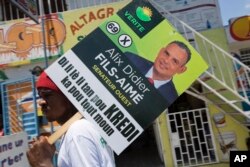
x,y
29,155
43,139
34,139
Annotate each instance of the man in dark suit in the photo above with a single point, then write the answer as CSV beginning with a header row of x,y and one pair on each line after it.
x,y
170,60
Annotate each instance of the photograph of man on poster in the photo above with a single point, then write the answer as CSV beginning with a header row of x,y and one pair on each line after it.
x,y
170,60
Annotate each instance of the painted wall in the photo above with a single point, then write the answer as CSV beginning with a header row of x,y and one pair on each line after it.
x,y
227,132
219,60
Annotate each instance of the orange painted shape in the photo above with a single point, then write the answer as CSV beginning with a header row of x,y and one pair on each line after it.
x,y
240,28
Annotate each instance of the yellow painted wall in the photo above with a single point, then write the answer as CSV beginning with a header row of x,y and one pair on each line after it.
x,y
165,140
239,130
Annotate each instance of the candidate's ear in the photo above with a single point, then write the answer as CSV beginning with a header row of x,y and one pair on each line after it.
x,y
182,70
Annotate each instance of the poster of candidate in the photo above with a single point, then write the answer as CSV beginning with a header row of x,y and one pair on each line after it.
x,y
127,71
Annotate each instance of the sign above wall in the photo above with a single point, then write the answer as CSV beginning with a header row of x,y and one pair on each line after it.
x,y
240,28
199,14
21,42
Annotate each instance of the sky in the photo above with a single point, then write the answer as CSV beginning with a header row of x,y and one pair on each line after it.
x,y
233,8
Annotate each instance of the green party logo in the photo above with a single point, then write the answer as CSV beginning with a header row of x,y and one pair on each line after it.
x,y
144,13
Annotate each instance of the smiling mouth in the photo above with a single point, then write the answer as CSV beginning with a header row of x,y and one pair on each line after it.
x,y
163,65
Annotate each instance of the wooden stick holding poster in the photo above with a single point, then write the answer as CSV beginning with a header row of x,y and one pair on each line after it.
x,y
55,136
106,74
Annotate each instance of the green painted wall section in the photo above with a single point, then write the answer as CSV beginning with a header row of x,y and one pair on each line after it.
x,y
219,62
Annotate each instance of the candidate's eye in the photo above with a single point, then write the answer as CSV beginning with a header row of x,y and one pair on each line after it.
x,y
176,62
166,53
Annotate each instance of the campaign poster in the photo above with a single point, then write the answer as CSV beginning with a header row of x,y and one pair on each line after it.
x,y
106,75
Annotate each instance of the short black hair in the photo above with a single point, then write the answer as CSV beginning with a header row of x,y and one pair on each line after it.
x,y
183,46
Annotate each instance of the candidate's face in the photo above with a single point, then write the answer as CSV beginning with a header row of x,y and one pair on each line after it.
x,y
55,106
170,61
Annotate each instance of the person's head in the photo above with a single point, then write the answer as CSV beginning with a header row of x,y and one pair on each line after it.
x,y
54,104
171,60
